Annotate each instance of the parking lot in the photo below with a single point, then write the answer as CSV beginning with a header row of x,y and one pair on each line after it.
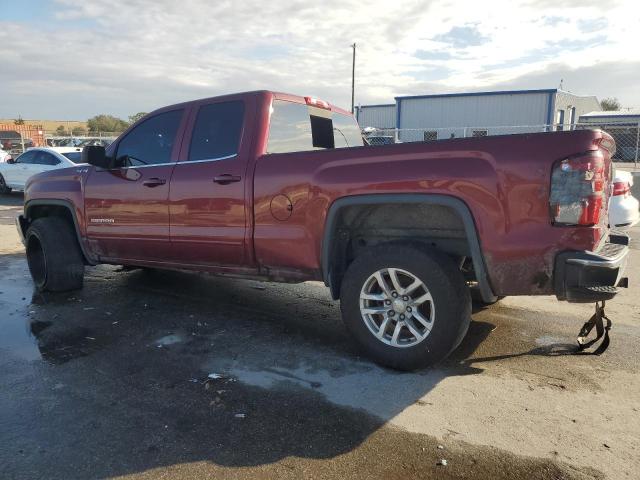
x,y
148,374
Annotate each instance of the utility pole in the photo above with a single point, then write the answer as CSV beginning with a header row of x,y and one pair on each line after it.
x,y
353,77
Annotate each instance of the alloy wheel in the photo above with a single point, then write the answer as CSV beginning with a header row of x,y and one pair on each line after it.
x,y
397,307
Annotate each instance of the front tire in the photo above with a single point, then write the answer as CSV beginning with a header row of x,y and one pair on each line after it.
x,y
54,256
4,190
408,308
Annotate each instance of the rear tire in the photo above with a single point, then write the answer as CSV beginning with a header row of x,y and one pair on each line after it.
x,y
4,190
430,329
54,256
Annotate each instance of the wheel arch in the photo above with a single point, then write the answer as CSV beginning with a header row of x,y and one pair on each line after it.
x,y
335,242
40,208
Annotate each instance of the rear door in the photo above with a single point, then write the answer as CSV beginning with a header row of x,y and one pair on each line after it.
x,y
126,207
208,187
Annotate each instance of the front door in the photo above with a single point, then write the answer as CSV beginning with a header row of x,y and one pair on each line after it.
x,y
16,174
207,198
126,207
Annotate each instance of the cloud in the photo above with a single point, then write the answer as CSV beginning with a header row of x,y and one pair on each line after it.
x,y
125,56
461,37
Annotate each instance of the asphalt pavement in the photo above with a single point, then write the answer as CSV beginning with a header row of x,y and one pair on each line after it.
x,y
150,374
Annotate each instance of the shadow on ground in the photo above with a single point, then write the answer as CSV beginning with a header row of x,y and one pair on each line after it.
x,y
124,387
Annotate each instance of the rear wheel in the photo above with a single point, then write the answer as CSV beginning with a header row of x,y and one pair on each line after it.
x,y
3,186
407,308
54,256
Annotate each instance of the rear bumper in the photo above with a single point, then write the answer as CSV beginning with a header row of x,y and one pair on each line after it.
x,y
583,276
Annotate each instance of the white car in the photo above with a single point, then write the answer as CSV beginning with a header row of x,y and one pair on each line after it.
x,y
15,173
624,209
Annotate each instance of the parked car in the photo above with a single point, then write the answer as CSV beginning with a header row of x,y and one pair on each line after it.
x,y
64,150
15,173
624,209
94,141
15,146
281,187
380,139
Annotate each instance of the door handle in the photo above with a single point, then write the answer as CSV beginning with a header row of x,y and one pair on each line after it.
x,y
154,182
226,179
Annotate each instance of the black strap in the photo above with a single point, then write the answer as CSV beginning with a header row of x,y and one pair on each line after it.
x,y
602,331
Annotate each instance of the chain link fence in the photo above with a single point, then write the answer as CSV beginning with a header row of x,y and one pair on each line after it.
x,y
16,139
626,135
55,139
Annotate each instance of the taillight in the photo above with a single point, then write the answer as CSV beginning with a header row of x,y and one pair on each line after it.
x,y
620,188
578,190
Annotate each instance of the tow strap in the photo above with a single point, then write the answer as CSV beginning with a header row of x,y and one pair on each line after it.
x,y
602,331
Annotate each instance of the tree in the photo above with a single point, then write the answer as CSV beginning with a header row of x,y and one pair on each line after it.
x,y
79,131
106,123
610,103
60,131
18,121
135,117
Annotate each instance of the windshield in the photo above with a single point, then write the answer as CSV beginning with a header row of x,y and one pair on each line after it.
x,y
75,157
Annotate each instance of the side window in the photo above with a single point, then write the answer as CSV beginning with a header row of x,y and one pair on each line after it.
x,y
26,158
217,131
150,142
44,158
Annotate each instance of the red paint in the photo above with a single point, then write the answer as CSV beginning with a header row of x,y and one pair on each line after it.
x,y
194,222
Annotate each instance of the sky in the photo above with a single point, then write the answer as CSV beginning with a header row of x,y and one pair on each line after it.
x,y
72,59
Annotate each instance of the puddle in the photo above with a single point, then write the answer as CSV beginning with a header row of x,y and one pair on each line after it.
x,y
169,340
60,347
547,340
25,335
370,389
15,323
16,337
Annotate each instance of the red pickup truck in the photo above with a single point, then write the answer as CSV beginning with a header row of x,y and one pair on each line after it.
x,y
281,187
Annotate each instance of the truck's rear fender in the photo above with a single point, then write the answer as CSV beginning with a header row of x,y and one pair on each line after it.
x,y
38,208
435,221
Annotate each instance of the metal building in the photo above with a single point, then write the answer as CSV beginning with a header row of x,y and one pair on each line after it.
x,y
377,116
623,126
432,117
631,116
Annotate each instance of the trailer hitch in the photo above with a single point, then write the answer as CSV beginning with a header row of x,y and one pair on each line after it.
x,y
602,331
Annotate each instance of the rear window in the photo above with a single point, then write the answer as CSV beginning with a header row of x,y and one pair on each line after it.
x,y
73,156
296,127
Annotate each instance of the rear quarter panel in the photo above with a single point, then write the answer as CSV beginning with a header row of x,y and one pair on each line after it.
x,y
503,180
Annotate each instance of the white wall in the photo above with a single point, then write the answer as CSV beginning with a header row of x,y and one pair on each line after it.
x,y
379,116
450,114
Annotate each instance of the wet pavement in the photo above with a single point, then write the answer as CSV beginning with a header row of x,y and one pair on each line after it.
x,y
148,374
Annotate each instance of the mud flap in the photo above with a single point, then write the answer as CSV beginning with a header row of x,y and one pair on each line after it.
x,y
602,331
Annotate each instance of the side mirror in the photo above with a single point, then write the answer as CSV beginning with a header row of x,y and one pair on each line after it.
x,y
10,160
95,155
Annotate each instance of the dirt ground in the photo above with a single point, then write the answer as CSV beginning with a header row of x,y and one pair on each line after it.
x,y
113,381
